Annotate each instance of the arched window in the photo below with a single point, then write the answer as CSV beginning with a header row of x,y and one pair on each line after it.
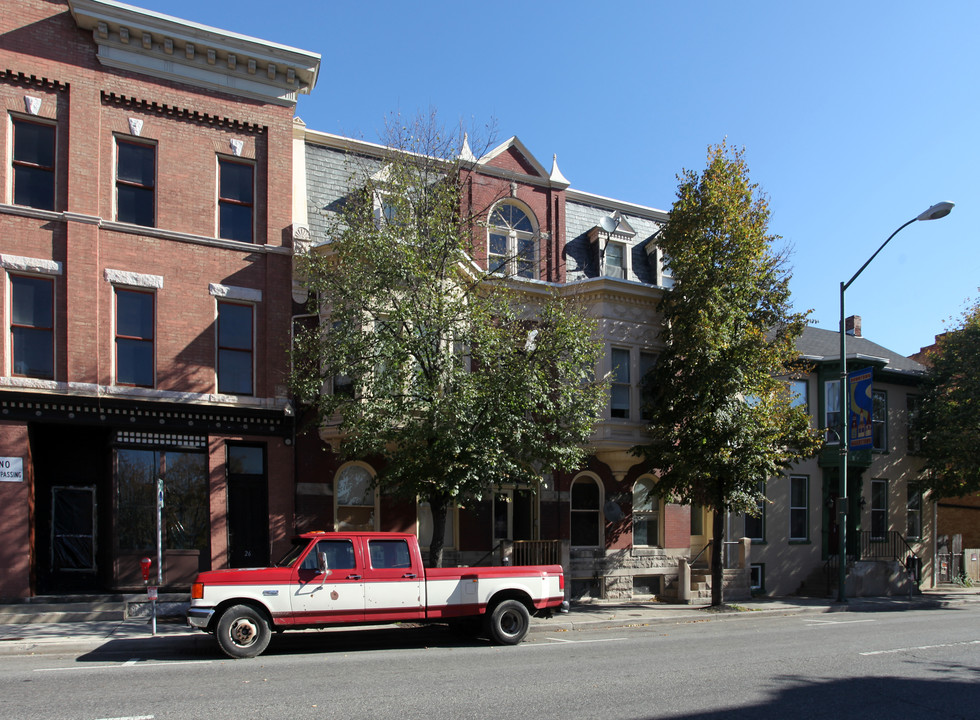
x,y
356,499
646,514
586,520
512,246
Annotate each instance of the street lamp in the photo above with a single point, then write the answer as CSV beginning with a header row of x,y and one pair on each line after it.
x,y
939,210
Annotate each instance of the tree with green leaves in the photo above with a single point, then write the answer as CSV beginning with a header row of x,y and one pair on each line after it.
x,y
456,378
949,417
722,419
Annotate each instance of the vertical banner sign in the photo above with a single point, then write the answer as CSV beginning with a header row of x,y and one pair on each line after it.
x,y
859,425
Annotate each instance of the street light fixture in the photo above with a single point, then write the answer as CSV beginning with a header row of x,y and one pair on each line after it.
x,y
939,210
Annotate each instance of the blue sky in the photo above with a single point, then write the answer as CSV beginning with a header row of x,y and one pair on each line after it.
x,y
855,117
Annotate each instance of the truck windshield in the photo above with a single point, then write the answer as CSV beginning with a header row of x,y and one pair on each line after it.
x,y
287,560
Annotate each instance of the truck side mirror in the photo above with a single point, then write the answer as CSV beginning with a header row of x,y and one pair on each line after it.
x,y
322,566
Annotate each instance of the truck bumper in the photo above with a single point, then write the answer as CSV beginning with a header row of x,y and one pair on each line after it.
x,y
199,617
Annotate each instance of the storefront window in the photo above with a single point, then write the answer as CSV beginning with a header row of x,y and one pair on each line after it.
x,y
185,499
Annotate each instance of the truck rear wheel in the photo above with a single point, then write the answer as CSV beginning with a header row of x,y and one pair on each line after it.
x,y
508,623
242,632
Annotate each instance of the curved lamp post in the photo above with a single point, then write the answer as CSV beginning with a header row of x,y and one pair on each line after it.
x,y
939,210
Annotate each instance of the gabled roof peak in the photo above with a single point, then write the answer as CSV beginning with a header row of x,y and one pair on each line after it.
x,y
514,145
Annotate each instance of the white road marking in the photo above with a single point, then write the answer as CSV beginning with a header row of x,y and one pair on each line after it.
x,y
131,717
582,642
127,664
131,661
821,623
920,647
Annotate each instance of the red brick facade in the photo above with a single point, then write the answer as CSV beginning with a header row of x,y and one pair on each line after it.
x,y
51,73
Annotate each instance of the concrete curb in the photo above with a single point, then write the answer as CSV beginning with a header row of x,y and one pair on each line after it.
x,y
132,637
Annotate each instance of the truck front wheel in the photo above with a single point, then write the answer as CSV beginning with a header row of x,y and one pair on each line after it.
x,y
508,623
242,632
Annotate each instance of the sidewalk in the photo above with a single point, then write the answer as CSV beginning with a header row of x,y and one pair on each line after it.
x,y
134,636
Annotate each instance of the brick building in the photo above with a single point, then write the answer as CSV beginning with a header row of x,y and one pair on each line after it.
x,y
613,540
596,520
146,237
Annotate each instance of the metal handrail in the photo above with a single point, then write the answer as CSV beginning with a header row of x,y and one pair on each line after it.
x,y
698,556
495,548
891,546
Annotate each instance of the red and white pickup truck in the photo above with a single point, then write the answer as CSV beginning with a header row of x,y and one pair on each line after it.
x,y
329,579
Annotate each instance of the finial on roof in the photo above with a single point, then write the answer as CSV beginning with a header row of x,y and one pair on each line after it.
x,y
465,154
556,177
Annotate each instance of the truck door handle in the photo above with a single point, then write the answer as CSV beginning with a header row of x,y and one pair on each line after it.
x,y
353,577
408,575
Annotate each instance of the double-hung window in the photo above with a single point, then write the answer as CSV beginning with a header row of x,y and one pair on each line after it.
x,y
356,499
236,200
614,260
799,395
879,509
913,509
913,406
33,164
619,406
755,525
32,326
648,361
135,183
235,348
799,510
879,420
134,337
646,514
832,405
586,526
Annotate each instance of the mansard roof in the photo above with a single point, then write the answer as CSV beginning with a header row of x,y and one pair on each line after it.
x,y
138,40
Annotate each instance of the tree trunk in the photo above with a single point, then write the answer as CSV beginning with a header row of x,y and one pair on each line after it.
x,y
717,566
439,506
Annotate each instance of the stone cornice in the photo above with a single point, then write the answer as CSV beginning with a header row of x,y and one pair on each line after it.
x,y
137,40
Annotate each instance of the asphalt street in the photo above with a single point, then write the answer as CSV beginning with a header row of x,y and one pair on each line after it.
x,y
891,662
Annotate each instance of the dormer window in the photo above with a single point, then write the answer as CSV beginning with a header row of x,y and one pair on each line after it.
x,y
512,247
611,238
614,264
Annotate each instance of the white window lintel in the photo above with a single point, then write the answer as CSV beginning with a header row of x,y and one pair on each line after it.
x,y
133,279
232,292
29,264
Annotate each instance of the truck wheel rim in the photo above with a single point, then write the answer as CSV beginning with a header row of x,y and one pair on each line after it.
x,y
243,632
510,623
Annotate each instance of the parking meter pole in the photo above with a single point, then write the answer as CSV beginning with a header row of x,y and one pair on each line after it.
x,y
145,565
159,550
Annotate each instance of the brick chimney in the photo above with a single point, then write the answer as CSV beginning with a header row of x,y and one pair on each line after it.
x,y
852,326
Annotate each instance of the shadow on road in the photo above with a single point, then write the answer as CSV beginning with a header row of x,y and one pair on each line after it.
x,y
865,697
201,646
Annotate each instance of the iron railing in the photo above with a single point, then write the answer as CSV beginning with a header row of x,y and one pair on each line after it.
x,y
537,552
890,546
873,546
